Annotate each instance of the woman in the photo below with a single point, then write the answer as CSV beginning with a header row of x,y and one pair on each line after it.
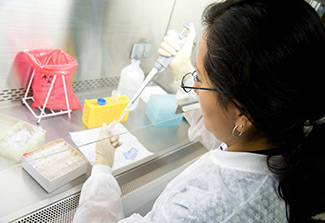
x,y
259,78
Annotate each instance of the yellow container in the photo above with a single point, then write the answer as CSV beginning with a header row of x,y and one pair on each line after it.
x,y
94,115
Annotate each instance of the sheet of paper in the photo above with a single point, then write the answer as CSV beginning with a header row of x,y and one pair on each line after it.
x,y
130,151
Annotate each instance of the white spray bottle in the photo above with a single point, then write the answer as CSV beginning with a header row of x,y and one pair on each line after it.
x,y
131,79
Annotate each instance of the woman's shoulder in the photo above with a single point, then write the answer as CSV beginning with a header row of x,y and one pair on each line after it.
x,y
223,193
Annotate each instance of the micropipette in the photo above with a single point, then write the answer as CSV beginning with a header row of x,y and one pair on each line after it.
x,y
161,64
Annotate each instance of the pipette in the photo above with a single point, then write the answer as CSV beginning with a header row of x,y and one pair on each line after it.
x,y
161,64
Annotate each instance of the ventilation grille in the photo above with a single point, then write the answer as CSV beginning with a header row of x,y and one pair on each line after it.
x,y
93,84
62,211
11,95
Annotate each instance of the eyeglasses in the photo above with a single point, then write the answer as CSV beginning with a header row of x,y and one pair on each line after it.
x,y
190,78
188,82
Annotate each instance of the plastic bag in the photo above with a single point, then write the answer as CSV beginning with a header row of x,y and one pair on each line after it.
x,y
47,63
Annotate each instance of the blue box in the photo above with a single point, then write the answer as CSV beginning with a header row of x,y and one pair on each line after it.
x,y
161,108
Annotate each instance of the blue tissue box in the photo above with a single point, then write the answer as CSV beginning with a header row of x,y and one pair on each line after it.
x,y
163,107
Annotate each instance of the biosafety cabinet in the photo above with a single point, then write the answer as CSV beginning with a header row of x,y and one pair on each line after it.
x,y
100,35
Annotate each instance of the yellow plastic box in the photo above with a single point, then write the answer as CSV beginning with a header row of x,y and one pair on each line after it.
x,y
94,114
54,169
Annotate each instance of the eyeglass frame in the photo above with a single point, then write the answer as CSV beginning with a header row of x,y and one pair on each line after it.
x,y
196,88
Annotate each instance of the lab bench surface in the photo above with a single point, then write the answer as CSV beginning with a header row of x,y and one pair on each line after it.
x,y
21,195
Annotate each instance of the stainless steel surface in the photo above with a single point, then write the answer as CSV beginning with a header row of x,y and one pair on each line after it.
x,y
21,194
99,34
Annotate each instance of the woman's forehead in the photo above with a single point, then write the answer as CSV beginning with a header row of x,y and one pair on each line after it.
x,y
200,56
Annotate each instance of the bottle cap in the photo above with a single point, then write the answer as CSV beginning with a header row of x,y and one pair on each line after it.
x,y
101,101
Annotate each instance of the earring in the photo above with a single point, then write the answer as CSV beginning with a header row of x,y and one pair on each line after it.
x,y
234,131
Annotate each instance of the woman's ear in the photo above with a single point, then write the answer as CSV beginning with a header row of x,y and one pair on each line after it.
x,y
243,123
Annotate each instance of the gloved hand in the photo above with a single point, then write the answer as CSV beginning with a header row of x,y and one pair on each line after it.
x,y
181,64
106,145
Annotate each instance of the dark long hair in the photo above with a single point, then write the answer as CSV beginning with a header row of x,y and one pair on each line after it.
x,y
269,55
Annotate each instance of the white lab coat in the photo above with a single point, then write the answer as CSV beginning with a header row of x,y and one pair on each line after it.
x,y
220,186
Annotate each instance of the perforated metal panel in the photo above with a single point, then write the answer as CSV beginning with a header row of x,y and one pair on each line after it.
x,y
96,83
62,211
12,94
9,95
